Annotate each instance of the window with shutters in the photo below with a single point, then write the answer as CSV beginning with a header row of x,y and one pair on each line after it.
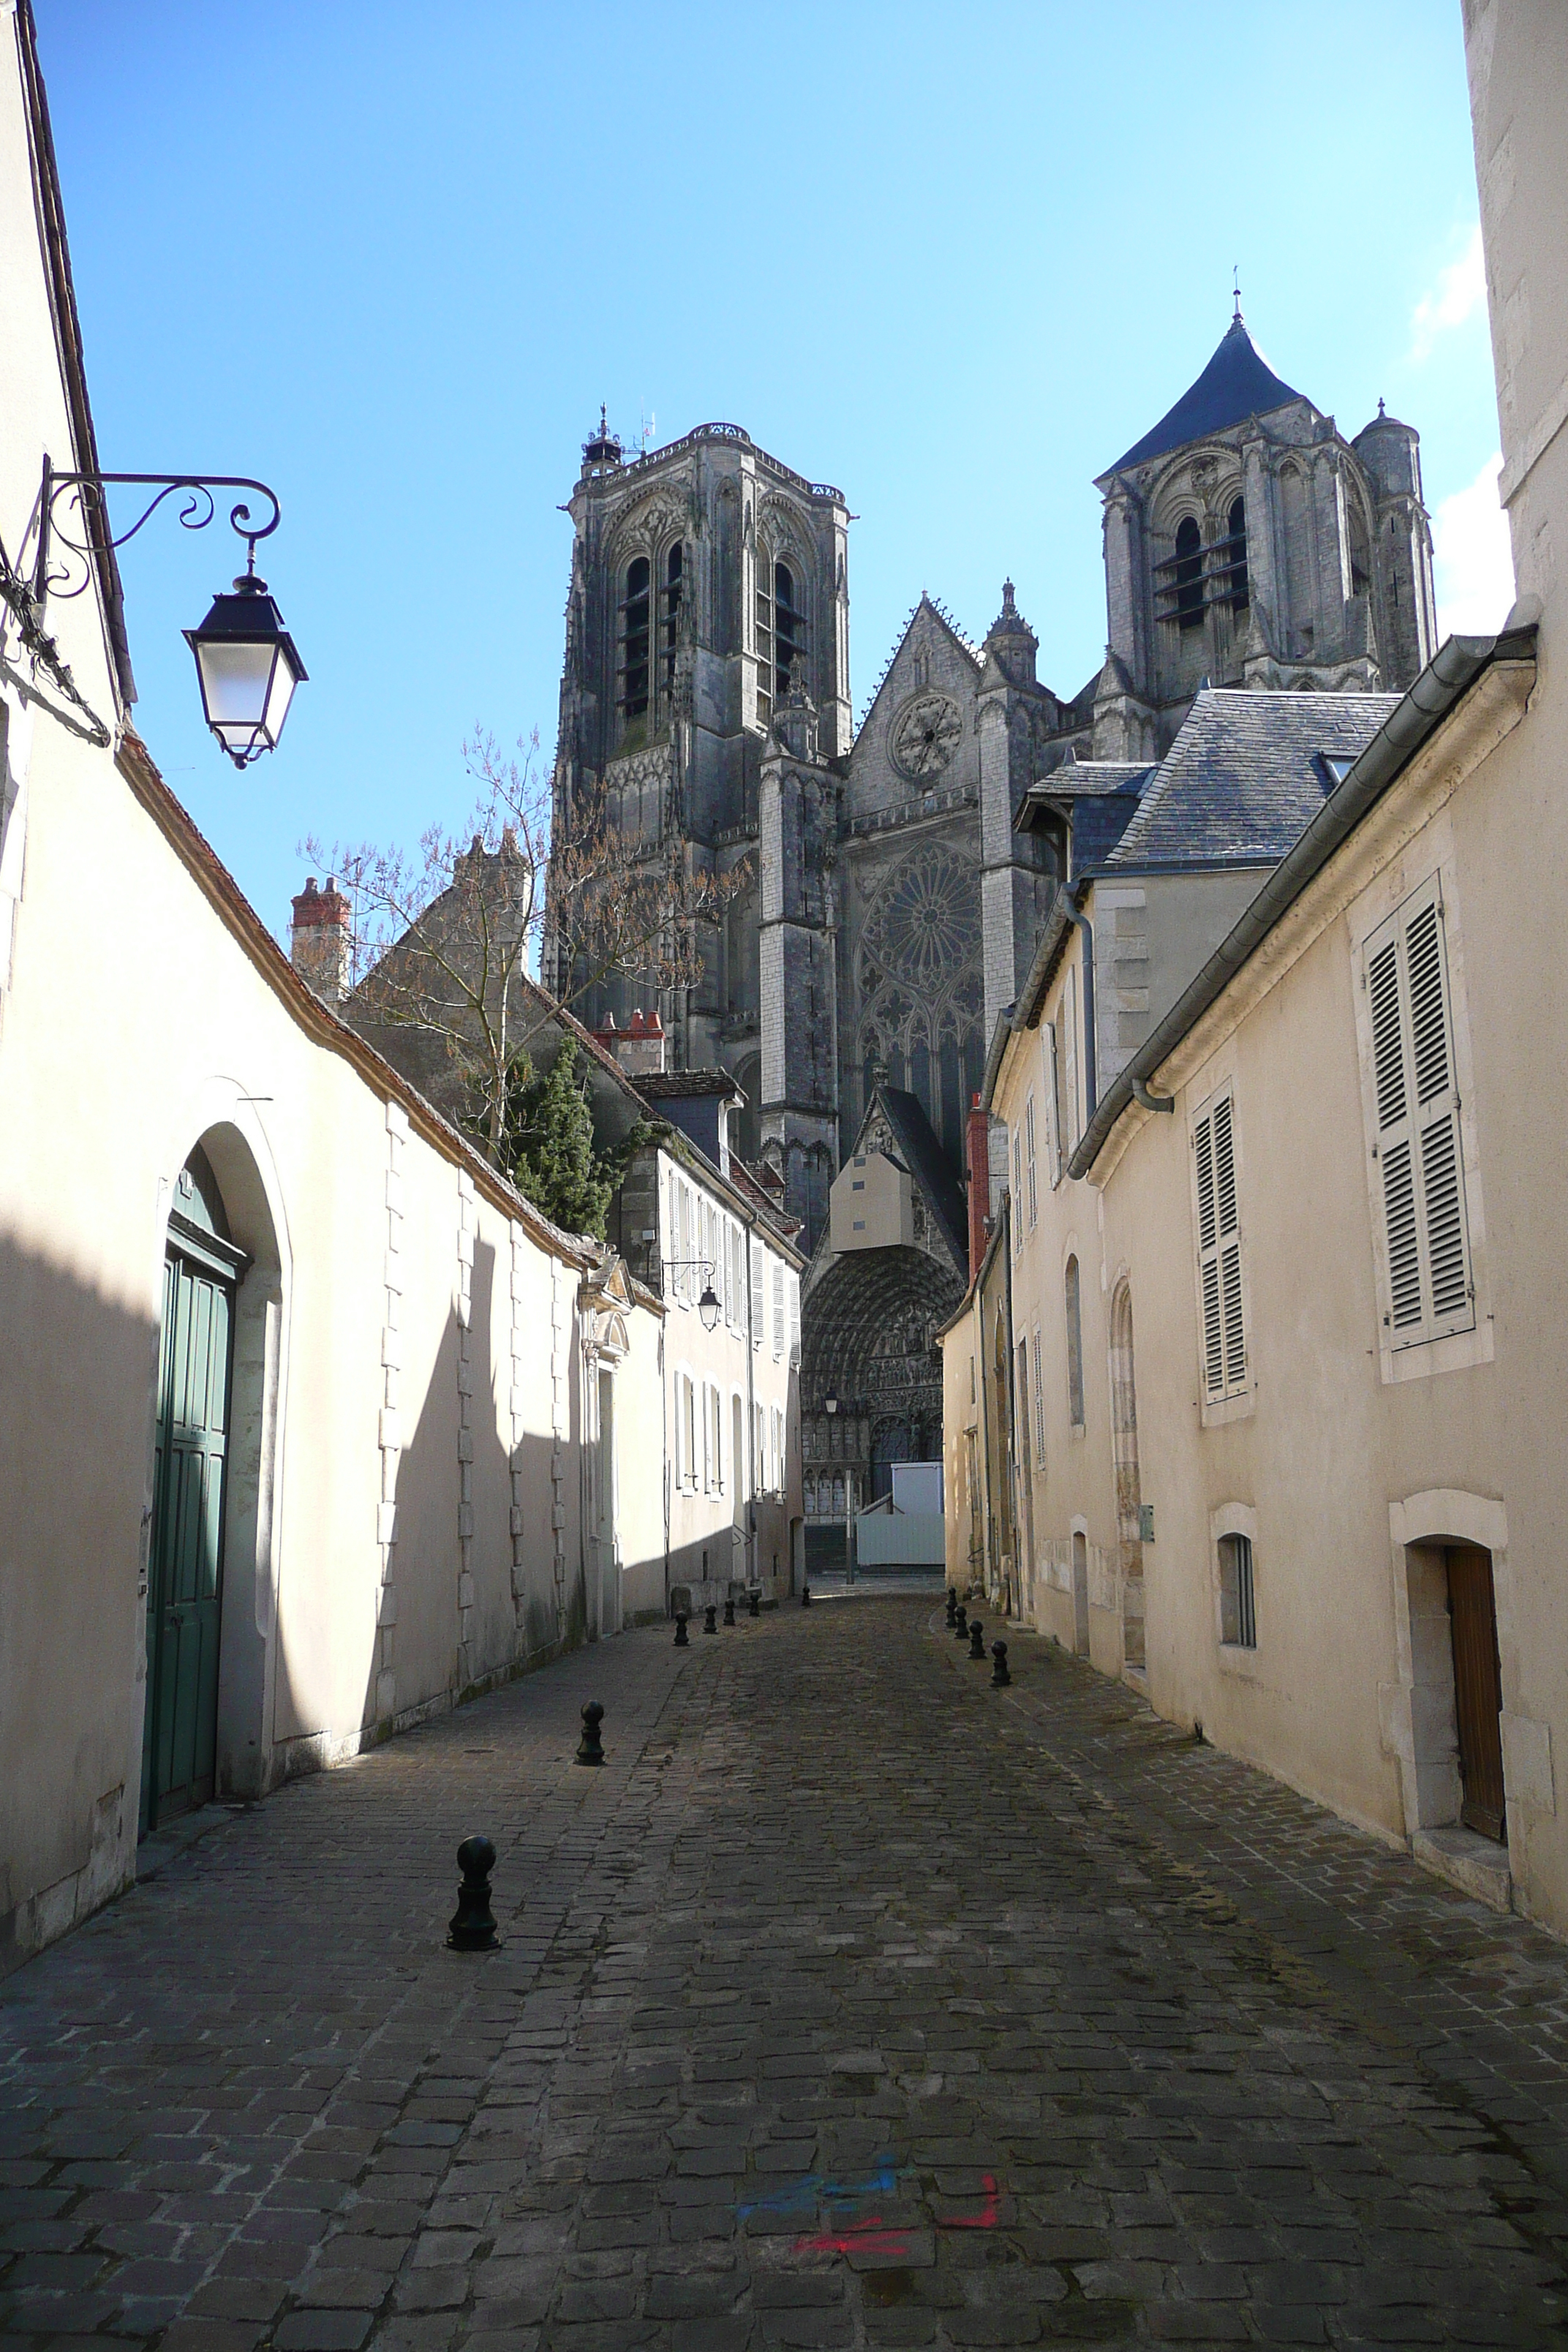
x,y
792,1300
1222,1318
1050,1074
1428,1289
1039,1409
757,1304
780,1467
760,1449
778,1311
1072,1305
1029,1177
686,1429
1238,1598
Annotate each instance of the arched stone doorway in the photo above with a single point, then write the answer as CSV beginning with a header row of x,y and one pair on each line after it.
x,y
211,1593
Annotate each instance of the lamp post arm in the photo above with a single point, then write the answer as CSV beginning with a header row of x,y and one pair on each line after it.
x,y
89,491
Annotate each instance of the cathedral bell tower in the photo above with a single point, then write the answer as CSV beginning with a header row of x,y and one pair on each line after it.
x,y
708,592
1248,543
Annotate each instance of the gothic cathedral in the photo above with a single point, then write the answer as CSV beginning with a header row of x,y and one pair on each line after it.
x,y
892,902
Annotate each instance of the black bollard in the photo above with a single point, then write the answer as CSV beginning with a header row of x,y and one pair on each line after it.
x,y
472,1928
961,1622
1000,1677
729,1609
952,1605
590,1748
806,1596
977,1641
710,1619
680,1640
755,1598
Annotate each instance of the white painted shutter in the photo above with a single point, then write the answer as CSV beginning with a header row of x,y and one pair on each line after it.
x,y
1416,1106
1017,1189
791,1296
778,1310
757,1304
1053,1082
1030,1162
1219,1253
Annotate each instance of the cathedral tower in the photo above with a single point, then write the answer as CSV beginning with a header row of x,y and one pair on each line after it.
x,y
1248,543
709,588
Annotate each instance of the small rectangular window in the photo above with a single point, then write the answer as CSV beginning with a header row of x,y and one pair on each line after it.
x,y
1029,1159
1075,1344
1238,1602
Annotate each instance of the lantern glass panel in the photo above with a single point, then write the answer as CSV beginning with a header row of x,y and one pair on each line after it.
x,y
235,680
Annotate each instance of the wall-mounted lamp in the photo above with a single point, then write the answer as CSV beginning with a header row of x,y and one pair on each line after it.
x,y
247,664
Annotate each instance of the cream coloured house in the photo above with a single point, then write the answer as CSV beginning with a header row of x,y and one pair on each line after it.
x,y
309,1424
1282,1350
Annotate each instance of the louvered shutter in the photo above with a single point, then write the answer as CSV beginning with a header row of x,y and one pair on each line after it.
x,y
756,1294
1219,1253
1053,1102
1017,1189
778,1310
1029,1160
1417,1108
792,1296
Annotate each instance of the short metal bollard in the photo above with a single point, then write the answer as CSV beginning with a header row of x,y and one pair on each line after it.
x,y
978,1640
729,1609
590,1748
806,1596
711,1618
680,1640
756,1599
1000,1677
472,1926
961,1622
951,1603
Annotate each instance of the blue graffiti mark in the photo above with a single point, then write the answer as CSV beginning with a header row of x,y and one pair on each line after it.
x,y
803,2195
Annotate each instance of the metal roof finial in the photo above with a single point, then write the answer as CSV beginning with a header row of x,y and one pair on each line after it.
x,y
1236,291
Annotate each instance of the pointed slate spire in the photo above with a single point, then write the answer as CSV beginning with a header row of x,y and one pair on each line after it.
x,y
1237,382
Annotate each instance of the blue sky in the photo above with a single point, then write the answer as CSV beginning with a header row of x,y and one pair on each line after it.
x,y
391,258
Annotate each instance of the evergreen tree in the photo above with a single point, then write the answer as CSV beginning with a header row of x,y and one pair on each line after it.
x,y
558,1165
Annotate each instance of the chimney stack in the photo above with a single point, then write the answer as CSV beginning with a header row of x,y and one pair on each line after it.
x,y
638,1047
318,942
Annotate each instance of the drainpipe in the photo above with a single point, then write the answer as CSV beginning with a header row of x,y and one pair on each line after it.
x,y
1142,1095
1075,915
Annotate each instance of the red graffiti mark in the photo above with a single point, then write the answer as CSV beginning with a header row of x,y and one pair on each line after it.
x,y
871,2236
985,2219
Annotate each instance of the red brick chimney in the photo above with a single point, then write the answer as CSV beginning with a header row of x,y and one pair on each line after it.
x,y
318,942
638,1047
978,1156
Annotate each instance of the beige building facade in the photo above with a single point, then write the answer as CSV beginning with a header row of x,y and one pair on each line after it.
x,y
1284,1323
311,1425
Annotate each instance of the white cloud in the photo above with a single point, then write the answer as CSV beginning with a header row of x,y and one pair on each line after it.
x,y
1459,293
1472,559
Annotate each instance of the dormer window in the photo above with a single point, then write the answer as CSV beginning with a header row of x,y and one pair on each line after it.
x,y
1189,575
674,570
633,618
1235,557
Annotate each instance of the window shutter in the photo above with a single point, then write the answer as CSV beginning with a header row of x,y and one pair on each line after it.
x,y
1219,1253
756,1293
1029,1158
778,1310
1039,1409
1017,1189
1417,1112
792,1294
1052,1078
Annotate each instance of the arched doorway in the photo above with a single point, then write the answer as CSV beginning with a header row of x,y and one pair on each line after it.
x,y
202,1266
1128,1496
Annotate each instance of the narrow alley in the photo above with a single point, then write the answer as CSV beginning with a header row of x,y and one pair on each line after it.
x,y
854,2002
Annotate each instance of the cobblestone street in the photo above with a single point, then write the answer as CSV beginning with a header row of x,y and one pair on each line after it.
x,y
854,2002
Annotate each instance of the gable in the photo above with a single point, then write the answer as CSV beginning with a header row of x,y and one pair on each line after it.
x,y
918,734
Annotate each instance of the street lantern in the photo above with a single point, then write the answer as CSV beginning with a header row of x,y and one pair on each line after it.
x,y
246,663
708,1305
830,1404
248,666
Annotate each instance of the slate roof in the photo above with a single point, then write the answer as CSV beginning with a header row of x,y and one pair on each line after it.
x,y
1237,382
1246,775
1102,796
928,1164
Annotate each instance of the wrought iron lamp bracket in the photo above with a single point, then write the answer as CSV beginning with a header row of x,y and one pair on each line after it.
x,y
92,508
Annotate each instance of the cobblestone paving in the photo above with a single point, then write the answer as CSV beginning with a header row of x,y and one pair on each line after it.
x,y
853,2002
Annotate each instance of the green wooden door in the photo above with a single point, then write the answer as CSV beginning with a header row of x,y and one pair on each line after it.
x,y
184,1587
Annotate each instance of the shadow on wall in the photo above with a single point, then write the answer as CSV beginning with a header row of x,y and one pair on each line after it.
x,y
77,1378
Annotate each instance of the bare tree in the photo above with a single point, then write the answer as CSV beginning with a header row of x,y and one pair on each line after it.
x,y
447,942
